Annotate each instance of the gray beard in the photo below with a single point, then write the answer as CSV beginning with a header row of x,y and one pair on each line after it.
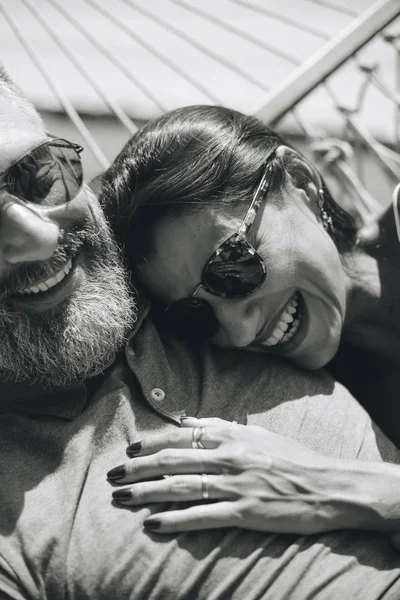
x,y
79,339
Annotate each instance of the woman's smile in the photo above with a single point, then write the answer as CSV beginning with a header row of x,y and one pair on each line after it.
x,y
285,325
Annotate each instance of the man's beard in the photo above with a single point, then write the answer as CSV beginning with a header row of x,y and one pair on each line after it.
x,y
79,338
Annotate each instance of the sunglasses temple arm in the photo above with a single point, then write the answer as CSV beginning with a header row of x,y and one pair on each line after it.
x,y
261,193
198,288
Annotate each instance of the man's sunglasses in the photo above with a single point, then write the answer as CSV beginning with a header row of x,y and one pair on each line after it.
x,y
234,270
50,174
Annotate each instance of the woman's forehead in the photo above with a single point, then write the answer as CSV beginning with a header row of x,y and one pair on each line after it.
x,y
199,233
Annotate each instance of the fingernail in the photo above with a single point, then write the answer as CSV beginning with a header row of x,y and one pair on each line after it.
x,y
121,495
134,449
116,473
152,524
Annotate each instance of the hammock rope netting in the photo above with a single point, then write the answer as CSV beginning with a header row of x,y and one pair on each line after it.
x,y
352,79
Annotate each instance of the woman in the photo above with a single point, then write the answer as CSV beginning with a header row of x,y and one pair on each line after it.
x,y
236,236
317,284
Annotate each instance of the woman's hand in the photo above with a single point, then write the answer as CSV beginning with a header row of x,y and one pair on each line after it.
x,y
240,476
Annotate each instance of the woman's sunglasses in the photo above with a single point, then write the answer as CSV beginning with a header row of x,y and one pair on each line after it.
x,y
50,174
234,270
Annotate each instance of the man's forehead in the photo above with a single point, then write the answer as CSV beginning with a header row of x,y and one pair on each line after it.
x,y
21,128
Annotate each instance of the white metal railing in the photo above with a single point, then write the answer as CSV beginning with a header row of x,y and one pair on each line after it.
x,y
316,70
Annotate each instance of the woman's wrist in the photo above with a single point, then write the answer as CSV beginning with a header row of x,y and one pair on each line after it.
x,y
361,494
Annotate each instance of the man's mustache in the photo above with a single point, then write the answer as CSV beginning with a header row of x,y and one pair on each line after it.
x,y
28,274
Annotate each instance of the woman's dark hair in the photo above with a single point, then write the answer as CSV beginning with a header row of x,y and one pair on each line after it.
x,y
196,156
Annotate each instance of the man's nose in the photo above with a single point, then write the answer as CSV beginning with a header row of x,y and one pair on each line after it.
x,y
30,232
239,319
26,232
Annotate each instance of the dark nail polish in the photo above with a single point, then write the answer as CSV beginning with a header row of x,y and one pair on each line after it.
x,y
116,473
134,449
121,495
152,524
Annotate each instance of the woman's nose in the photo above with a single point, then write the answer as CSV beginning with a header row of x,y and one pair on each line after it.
x,y
239,320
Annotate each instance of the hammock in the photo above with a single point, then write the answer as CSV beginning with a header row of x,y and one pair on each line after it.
x,y
326,73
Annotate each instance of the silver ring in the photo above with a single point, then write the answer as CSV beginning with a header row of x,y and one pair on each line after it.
x,y
195,431
205,494
197,435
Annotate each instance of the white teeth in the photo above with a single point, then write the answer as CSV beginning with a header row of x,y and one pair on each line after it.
x,y
59,277
43,286
287,317
279,333
52,281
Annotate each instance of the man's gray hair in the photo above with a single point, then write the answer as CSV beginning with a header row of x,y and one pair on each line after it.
x,y
6,81
17,95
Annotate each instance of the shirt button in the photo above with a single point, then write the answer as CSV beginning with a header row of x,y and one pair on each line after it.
x,y
157,394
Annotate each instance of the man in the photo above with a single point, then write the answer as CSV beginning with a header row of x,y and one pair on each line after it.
x,y
73,395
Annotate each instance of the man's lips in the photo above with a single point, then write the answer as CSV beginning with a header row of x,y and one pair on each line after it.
x,y
44,285
52,296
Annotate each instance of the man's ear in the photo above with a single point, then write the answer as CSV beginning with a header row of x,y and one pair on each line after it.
x,y
302,175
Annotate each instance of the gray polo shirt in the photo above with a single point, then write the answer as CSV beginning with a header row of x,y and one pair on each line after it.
x,y
62,538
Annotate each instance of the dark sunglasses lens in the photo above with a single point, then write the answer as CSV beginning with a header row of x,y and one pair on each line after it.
x,y
235,272
50,174
190,319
